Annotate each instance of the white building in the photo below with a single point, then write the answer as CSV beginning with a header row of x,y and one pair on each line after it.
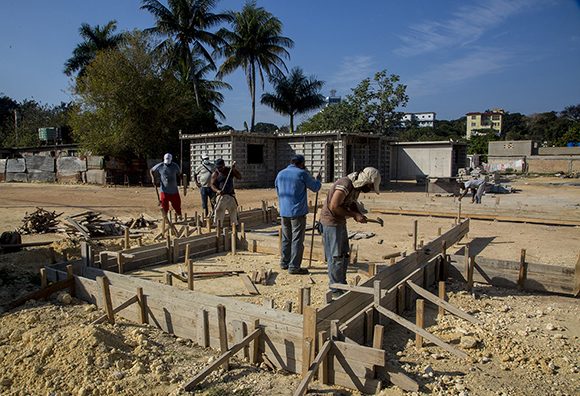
x,y
426,119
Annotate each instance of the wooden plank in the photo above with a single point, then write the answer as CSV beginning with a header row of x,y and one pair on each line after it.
x,y
479,216
203,328
419,320
576,291
221,310
442,303
103,283
252,289
224,357
323,364
367,386
142,306
365,355
523,270
121,307
42,293
303,386
378,337
441,292
404,322
309,335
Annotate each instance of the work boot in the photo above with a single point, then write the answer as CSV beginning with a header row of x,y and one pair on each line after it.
x,y
337,293
283,266
298,271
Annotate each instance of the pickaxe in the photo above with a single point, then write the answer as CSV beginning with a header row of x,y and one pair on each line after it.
x,y
378,221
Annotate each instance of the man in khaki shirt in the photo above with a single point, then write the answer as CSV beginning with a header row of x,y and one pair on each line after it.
x,y
340,204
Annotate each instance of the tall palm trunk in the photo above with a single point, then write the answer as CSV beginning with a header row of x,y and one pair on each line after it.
x,y
253,89
291,122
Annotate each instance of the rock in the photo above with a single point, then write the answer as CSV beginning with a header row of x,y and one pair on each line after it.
x,y
118,375
550,327
459,387
468,342
6,382
428,370
138,368
558,336
485,359
64,298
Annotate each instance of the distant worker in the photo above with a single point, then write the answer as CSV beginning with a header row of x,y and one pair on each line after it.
x,y
169,173
476,186
202,178
222,183
291,184
341,203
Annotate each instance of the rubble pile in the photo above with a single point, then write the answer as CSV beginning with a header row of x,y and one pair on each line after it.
x,y
40,222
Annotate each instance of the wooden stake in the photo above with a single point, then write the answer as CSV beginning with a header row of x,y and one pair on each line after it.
x,y
208,224
523,273
127,243
142,306
52,255
43,278
234,242
470,274
168,279
378,337
459,213
439,231
69,271
420,321
444,264
168,246
163,224
221,311
322,368
120,263
243,231
187,253
255,346
189,274
288,306
203,328
106,295
467,257
401,298
415,232
442,296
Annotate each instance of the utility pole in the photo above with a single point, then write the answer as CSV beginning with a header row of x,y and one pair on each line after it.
x,y
16,126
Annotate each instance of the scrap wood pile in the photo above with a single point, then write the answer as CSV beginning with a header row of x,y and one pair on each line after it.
x,y
40,222
143,221
89,225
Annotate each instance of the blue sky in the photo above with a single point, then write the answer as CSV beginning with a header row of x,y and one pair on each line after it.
x,y
454,56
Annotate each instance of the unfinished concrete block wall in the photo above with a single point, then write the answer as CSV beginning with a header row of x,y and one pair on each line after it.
x,y
255,157
459,158
511,148
315,149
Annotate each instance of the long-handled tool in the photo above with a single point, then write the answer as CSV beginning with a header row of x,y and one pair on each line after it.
x,y
217,200
313,225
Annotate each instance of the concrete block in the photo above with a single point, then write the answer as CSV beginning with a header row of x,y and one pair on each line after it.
x,y
96,176
17,177
41,176
40,163
95,162
68,177
68,165
15,165
2,166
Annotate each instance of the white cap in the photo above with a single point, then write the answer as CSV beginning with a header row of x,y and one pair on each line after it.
x,y
204,156
167,158
368,175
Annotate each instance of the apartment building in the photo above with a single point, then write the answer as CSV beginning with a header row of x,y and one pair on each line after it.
x,y
426,119
491,119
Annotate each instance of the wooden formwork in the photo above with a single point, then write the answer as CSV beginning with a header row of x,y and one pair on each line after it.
x,y
288,340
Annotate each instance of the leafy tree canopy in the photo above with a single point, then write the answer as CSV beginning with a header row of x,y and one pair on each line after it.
x,y
265,127
128,105
372,107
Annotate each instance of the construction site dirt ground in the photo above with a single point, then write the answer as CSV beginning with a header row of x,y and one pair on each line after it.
x,y
529,344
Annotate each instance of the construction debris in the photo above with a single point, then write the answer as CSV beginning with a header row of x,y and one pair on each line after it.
x,y
360,235
39,222
90,225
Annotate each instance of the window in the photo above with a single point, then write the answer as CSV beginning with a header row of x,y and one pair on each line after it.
x,y
473,124
255,153
495,117
473,117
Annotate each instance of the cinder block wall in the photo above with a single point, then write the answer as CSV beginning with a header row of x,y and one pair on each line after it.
x,y
553,164
260,174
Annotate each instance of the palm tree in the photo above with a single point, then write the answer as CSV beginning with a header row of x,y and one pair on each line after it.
x,y
193,73
255,45
96,39
185,25
294,94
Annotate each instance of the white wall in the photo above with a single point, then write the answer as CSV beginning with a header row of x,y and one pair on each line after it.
x,y
408,162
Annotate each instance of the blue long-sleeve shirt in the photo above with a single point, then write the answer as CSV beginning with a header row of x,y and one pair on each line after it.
x,y
291,184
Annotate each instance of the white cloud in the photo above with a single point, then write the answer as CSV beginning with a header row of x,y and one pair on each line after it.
x,y
464,26
353,69
482,62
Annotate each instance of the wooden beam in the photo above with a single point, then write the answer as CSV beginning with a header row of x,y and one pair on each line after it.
x,y
411,326
221,310
43,279
378,337
323,365
308,337
255,346
577,278
103,283
523,272
444,304
224,357
419,320
479,216
441,291
121,307
303,386
203,328
249,284
42,293
142,306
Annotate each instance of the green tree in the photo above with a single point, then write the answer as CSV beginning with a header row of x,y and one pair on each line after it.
x,y
185,26
571,113
128,105
95,39
255,45
571,136
370,108
337,117
294,94
265,127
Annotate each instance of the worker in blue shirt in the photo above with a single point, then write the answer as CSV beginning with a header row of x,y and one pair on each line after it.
x,y
291,184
